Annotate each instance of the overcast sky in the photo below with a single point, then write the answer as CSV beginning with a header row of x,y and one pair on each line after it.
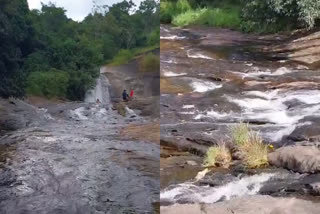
x,y
76,9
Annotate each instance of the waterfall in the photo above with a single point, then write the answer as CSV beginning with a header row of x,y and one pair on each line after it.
x,y
101,90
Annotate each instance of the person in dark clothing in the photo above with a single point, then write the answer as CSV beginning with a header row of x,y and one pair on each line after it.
x,y
125,95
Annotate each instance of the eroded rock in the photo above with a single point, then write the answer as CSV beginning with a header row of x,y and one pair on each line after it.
x,y
303,159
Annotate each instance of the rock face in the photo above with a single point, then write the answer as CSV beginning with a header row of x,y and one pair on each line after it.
x,y
248,205
303,159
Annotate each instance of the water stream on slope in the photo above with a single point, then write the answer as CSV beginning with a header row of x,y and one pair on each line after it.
x,y
212,79
77,163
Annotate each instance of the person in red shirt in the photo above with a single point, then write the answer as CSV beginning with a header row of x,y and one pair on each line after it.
x,y
131,93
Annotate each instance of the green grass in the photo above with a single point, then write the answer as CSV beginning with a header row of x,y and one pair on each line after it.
x,y
218,156
213,17
149,63
124,56
190,17
240,134
256,152
251,145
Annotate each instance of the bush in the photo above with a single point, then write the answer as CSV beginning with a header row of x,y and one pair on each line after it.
x,y
50,84
216,17
123,57
250,144
154,37
170,9
149,63
219,17
188,18
218,156
167,11
276,15
183,6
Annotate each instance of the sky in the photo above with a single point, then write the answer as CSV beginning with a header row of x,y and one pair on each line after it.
x,y
76,9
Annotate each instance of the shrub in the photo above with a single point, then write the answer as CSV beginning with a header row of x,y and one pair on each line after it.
x,y
170,9
53,83
123,57
167,11
216,17
149,63
183,6
276,15
188,18
218,156
251,145
221,17
154,37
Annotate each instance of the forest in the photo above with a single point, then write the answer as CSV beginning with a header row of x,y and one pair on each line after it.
x,y
256,16
44,53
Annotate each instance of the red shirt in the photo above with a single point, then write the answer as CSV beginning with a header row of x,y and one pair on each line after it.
x,y
131,93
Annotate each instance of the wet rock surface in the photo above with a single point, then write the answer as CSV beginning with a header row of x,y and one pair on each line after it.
x,y
212,79
249,205
73,160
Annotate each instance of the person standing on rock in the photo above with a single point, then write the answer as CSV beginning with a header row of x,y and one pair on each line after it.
x,y
125,96
131,94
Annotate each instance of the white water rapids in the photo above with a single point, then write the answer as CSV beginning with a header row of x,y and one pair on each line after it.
x,y
191,193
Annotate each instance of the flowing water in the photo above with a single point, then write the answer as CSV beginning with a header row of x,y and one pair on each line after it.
x,y
191,193
215,78
76,162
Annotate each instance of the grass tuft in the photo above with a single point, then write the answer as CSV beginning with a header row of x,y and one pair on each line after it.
x,y
218,156
251,145
240,134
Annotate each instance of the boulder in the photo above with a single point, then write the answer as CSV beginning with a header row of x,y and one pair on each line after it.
x,y
302,159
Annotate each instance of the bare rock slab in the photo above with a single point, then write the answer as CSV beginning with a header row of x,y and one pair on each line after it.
x,y
302,159
248,205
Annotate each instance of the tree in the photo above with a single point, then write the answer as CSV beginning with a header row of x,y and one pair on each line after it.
x,y
15,37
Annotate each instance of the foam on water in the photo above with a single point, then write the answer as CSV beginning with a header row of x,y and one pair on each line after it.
x,y
174,37
187,106
172,74
171,61
257,72
187,112
197,55
164,29
78,113
189,192
211,114
272,106
204,86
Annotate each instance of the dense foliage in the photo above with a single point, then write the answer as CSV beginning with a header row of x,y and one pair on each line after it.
x,y
50,55
276,15
15,44
248,15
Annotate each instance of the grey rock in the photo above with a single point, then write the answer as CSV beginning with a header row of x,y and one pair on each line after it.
x,y
303,159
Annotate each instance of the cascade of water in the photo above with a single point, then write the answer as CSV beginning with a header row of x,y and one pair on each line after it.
x,y
191,193
101,90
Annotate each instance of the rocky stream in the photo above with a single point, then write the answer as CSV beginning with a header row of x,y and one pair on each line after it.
x,y
71,158
212,79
